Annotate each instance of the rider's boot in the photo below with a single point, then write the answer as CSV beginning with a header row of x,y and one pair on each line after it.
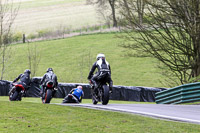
x,y
12,90
42,91
94,85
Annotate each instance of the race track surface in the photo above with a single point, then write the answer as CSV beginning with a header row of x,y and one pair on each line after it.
x,y
184,113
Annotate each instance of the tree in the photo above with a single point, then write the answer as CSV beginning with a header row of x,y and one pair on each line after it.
x,y
8,14
136,6
170,33
102,4
33,58
112,5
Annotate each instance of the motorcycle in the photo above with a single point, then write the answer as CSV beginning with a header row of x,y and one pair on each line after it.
x,y
101,93
16,92
71,99
49,92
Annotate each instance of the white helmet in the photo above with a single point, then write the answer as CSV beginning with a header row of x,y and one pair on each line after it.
x,y
100,56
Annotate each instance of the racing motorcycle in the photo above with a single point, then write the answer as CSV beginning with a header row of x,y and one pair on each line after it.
x,y
49,91
16,92
101,93
71,99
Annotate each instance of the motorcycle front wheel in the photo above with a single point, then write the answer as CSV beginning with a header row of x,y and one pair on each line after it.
x,y
13,97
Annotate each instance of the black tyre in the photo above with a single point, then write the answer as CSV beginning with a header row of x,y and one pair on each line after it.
x,y
105,95
14,96
48,96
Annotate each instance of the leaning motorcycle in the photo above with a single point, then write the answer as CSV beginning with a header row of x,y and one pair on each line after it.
x,y
49,91
16,92
71,99
101,93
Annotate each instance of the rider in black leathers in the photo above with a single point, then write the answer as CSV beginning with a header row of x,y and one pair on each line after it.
x,y
104,71
49,75
25,79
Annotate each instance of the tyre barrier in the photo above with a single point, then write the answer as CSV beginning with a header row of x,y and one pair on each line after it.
x,y
126,93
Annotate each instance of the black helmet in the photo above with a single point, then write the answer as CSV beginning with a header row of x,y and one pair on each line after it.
x,y
27,71
49,69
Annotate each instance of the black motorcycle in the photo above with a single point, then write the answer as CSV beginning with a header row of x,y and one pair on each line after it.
x,y
101,93
16,92
49,92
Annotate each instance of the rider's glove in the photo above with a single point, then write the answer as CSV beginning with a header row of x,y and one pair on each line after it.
x,y
89,77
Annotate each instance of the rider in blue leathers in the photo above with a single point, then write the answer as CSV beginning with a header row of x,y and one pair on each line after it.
x,y
77,94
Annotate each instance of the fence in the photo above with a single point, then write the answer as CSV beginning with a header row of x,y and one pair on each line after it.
x,y
62,33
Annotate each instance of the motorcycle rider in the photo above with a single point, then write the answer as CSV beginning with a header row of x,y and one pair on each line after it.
x,y
25,80
77,93
48,76
104,71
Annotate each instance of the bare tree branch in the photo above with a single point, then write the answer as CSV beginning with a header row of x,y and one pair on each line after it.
x,y
33,58
170,32
101,4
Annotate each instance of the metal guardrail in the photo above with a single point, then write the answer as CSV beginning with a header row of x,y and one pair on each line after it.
x,y
180,94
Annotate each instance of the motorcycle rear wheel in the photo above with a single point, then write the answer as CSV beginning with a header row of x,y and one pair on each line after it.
x,y
48,96
105,95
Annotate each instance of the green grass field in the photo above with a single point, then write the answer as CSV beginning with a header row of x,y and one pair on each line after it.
x,y
37,15
72,58
30,115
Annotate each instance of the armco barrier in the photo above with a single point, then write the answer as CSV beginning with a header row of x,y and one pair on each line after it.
x,y
126,93
180,94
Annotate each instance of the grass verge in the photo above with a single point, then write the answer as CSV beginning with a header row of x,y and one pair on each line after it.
x,y
59,100
26,117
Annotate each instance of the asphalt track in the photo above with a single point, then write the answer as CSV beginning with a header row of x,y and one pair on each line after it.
x,y
183,113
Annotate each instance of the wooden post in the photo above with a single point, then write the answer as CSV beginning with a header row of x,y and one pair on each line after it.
x,y
24,38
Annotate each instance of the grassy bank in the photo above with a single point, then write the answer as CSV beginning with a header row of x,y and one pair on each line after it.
x,y
72,59
26,116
